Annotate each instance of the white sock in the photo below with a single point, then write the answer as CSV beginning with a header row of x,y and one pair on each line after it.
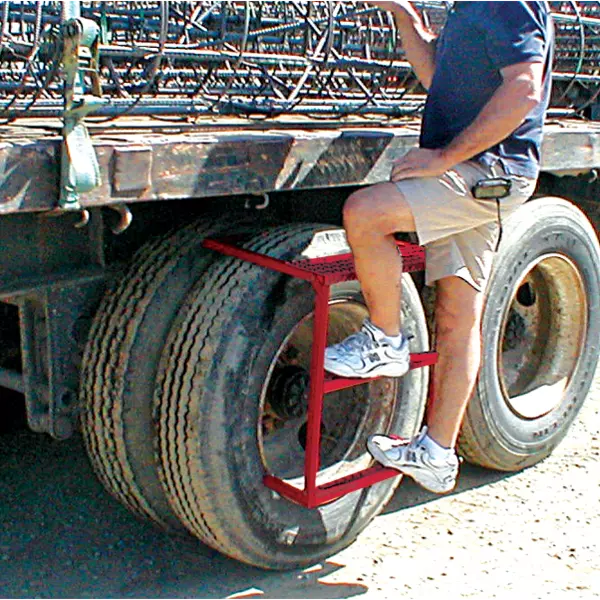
x,y
394,340
436,451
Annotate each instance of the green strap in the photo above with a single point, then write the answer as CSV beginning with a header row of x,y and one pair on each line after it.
x,y
80,171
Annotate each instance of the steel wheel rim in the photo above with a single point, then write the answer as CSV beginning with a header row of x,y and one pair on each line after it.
x,y
343,446
540,336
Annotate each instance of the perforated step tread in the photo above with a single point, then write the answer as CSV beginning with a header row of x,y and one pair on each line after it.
x,y
329,269
338,268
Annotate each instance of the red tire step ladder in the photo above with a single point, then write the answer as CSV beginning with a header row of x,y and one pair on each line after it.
x,y
322,273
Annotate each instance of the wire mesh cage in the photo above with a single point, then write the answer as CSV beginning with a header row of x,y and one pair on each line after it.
x,y
254,59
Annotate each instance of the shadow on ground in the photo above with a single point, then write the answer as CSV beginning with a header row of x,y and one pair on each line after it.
x,y
62,535
410,494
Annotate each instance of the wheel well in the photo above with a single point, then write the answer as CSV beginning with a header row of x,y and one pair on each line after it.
x,y
582,190
55,273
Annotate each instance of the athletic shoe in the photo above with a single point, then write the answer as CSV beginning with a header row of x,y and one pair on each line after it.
x,y
414,460
368,353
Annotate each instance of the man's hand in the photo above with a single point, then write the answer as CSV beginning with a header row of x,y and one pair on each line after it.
x,y
389,6
401,9
420,162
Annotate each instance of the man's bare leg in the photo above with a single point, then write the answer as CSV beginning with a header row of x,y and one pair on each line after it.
x,y
458,341
430,458
371,217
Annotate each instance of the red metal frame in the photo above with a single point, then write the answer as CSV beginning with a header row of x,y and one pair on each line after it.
x,y
322,273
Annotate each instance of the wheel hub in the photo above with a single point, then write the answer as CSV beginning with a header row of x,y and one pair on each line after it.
x,y
288,392
347,414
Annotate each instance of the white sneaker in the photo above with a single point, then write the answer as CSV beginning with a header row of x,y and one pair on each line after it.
x,y
368,353
414,460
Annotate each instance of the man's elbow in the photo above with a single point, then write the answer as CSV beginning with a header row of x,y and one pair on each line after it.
x,y
533,98
531,102
525,81
527,92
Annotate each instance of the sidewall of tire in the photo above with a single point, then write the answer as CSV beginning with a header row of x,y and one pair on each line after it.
x,y
121,362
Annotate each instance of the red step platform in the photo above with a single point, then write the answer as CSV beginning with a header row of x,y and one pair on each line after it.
x,y
322,273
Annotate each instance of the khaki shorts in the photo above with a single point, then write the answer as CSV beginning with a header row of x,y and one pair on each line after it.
x,y
458,231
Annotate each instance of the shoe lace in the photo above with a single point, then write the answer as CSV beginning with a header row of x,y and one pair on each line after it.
x,y
361,340
411,455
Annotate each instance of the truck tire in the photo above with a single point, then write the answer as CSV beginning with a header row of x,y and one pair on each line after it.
x,y
121,360
541,337
231,406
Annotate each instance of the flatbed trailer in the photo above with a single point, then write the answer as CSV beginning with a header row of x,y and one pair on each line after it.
x,y
188,371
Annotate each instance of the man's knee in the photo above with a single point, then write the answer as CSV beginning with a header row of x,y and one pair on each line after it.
x,y
358,209
379,208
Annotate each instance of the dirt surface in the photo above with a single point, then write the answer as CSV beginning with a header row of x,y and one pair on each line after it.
x,y
534,534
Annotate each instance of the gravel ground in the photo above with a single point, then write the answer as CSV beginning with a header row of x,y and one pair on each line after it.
x,y
534,534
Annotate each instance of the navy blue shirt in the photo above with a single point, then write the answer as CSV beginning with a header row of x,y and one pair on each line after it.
x,y
478,40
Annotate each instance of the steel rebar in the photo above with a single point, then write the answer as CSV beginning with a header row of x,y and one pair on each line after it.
x,y
254,58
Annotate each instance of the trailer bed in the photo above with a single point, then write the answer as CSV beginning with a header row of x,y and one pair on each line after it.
x,y
145,161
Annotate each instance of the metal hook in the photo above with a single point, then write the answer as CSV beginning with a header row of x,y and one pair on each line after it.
x,y
85,219
126,217
252,202
59,212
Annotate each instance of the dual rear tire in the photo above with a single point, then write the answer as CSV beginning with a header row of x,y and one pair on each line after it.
x,y
222,399
541,337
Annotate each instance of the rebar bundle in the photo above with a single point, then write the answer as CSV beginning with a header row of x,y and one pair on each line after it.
x,y
254,59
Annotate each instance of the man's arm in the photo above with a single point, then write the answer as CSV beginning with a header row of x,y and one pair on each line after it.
x,y
418,42
519,92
